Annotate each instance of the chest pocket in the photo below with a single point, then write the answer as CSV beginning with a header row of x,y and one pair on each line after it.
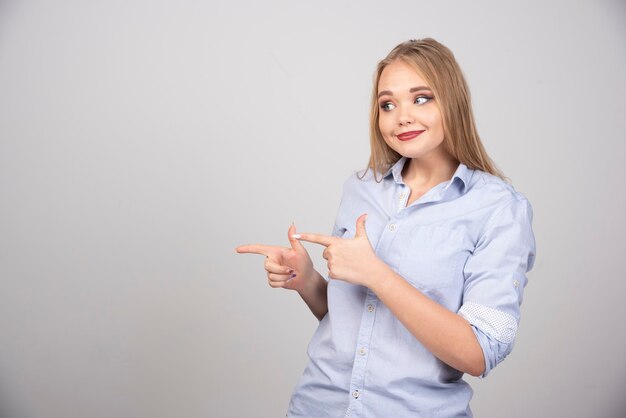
x,y
434,257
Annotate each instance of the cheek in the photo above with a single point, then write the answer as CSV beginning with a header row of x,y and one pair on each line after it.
x,y
381,123
383,127
435,124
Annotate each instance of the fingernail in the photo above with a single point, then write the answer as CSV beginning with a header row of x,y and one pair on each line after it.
x,y
296,236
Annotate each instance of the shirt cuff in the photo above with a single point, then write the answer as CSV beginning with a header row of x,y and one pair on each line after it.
x,y
495,331
496,324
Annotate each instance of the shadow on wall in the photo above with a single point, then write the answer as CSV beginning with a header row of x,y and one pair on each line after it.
x,y
620,409
8,408
6,7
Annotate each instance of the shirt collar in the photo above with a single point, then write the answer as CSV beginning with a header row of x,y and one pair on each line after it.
x,y
396,170
462,173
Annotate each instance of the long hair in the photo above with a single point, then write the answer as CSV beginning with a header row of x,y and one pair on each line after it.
x,y
437,65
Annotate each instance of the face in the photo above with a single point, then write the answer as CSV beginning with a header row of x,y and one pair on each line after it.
x,y
409,119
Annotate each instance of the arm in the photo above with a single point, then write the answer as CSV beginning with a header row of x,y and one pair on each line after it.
x,y
495,277
315,296
446,334
481,334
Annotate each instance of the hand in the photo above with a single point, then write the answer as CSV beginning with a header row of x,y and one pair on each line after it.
x,y
287,267
352,260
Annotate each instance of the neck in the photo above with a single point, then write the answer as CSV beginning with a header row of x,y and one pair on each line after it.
x,y
425,173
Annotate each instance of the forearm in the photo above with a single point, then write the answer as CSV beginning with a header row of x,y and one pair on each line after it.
x,y
315,295
444,333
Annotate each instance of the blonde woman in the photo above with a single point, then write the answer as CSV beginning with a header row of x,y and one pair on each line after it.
x,y
427,260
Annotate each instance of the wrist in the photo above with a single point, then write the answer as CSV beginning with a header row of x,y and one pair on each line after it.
x,y
381,273
311,280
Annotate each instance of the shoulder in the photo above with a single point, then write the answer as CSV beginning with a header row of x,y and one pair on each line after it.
x,y
502,198
361,189
494,189
362,179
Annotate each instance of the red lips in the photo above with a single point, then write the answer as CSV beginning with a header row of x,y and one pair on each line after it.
x,y
406,136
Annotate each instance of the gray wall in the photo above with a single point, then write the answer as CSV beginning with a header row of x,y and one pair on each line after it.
x,y
141,141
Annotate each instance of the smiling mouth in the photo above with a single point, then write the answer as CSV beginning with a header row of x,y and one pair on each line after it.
x,y
407,136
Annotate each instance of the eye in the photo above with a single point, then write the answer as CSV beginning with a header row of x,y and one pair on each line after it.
x,y
387,106
420,100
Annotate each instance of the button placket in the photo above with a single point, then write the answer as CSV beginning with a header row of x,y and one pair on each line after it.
x,y
402,198
361,354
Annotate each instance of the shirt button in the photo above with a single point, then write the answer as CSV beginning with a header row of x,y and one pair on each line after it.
x,y
355,394
362,351
515,284
392,227
370,308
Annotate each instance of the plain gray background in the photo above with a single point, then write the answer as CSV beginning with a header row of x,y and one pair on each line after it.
x,y
141,141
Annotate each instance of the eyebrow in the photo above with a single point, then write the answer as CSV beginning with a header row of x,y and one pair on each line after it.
x,y
411,90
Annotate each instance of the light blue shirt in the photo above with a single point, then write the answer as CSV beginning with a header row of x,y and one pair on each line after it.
x,y
467,243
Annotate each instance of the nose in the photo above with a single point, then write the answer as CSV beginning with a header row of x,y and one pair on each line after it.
x,y
405,117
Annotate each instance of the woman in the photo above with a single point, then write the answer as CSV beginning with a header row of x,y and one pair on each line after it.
x,y
430,287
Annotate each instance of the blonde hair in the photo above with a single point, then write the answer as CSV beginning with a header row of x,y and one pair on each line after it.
x,y
436,64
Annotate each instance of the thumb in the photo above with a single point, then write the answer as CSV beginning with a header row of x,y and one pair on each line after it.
x,y
360,226
295,243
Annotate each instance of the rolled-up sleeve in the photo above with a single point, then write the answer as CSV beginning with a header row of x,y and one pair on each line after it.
x,y
495,277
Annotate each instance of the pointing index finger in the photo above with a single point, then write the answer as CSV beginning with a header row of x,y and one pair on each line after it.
x,y
265,250
324,240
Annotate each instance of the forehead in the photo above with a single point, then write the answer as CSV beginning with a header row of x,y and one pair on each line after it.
x,y
399,76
